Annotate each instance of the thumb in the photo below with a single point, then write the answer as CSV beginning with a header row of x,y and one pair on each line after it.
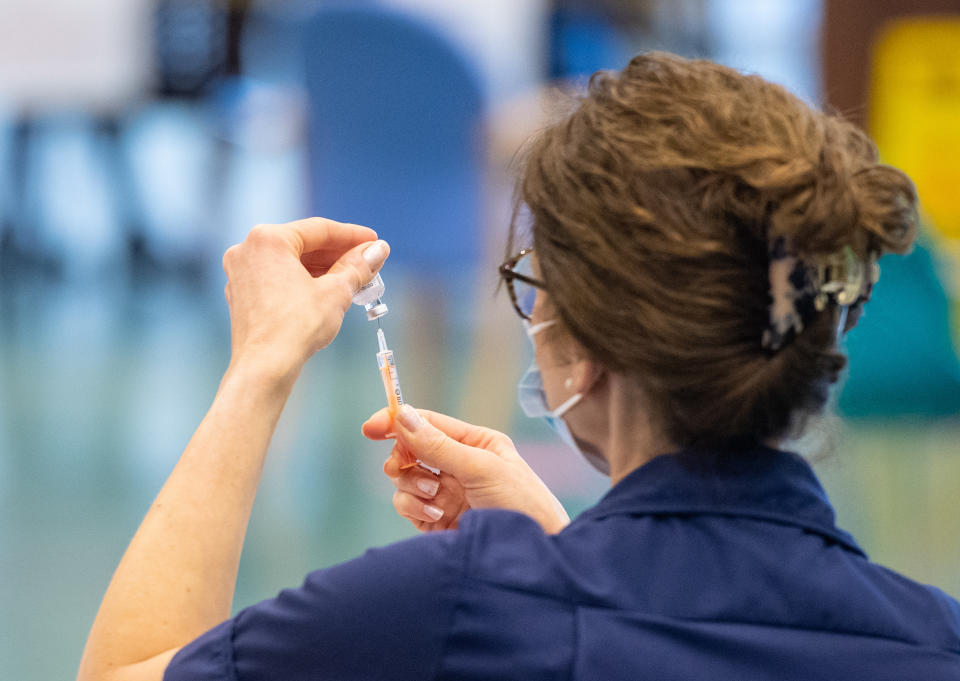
x,y
355,268
437,449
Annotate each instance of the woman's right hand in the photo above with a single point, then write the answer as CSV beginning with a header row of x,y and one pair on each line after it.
x,y
480,468
289,286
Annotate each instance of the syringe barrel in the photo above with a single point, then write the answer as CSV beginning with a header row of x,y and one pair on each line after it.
x,y
391,381
391,386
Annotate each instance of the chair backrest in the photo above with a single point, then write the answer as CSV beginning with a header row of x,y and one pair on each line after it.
x,y
394,133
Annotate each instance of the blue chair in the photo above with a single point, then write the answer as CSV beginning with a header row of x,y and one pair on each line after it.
x,y
394,133
902,359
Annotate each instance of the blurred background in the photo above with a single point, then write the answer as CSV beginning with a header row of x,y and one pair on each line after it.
x,y
140,138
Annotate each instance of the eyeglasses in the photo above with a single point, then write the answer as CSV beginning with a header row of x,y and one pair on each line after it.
x,y
522,286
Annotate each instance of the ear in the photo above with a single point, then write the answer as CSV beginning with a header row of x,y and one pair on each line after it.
x,y
584,375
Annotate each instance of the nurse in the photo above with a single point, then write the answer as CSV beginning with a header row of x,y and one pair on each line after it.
x,y
701,241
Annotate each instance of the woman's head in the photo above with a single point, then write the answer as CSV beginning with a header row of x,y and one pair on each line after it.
x,y
653,206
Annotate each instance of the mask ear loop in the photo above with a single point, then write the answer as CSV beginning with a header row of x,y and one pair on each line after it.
x,y
575,398
533,329
567,406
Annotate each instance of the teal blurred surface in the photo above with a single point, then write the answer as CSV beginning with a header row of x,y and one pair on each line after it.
x,y
902,358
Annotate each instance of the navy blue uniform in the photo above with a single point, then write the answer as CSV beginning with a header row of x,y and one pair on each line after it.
x,y
694,566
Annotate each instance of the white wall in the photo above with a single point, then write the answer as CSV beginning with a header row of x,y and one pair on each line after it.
x,y
87,54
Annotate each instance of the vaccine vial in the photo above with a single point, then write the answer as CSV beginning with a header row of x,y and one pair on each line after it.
x,y
369,298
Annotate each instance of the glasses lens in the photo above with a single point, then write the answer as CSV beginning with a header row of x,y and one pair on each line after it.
x,y
526,293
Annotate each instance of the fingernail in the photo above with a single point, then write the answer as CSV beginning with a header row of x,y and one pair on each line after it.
x,y
376,253
409,418
433,511
428,487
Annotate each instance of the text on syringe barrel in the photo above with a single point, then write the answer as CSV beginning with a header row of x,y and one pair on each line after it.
x,y
391,380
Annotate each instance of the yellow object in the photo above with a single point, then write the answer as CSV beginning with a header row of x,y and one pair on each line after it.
x,y
915,112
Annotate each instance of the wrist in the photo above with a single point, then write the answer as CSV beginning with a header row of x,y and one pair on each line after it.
x,y
551,515
262,373
555,521
254,390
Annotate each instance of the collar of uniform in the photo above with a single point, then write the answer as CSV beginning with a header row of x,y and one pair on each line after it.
x,y
759,482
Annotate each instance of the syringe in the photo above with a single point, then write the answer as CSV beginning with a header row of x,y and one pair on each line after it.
x,y
391,386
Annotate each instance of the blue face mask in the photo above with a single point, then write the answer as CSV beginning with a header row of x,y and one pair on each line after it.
x,y
533,402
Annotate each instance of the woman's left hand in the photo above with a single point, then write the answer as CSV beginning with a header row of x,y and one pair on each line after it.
x,y
289,286
480,469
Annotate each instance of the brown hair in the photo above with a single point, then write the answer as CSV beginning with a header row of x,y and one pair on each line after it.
x,y
652,207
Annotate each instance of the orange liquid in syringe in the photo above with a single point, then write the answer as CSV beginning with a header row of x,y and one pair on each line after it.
x,y
391,386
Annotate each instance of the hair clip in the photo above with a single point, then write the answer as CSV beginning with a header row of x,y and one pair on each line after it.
x,y
799,288
792,295
844,278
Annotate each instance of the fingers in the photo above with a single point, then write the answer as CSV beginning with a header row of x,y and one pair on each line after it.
x,y
391,467
353,269
315,234
412,507
320,262
435,448
428,499
318,242
380,426
468,433
425,486
417,480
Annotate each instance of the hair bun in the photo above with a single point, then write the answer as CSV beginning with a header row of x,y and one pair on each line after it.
x,y
844,198
654,206
887,203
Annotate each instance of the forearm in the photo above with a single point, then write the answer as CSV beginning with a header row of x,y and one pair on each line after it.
x,y
177,577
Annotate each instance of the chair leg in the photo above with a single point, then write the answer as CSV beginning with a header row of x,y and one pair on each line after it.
x,y
126,195
21,247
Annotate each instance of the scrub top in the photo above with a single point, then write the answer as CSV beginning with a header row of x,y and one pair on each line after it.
x,y
697,565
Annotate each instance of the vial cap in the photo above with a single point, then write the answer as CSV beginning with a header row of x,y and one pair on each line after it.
x,y
376,311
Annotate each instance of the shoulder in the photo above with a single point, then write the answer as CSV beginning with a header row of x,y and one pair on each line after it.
x,y
435,555
911,610
377,596
507,533
341,620
488,525
511,550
